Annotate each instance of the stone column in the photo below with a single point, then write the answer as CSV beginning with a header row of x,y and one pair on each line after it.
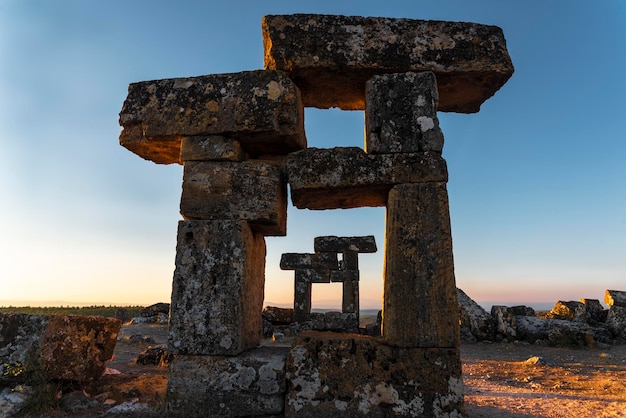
x,y
217,292
420,305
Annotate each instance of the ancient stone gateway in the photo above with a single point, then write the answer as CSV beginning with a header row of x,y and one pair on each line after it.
x,y
241,139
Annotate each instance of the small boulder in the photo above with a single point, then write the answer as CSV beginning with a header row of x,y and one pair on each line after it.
x,y
63,347
565,310
156,355
476,323
155,310
615,298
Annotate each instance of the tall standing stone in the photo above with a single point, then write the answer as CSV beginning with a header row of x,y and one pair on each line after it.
x,y
217,292
420,303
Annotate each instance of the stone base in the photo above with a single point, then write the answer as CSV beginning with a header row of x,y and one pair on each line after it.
x,y
331,375
250,384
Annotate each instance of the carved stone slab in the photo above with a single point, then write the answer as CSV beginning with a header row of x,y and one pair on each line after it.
x,y
331,57
261,109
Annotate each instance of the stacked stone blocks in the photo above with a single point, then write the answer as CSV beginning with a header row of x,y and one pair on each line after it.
x,y
241,139
323,266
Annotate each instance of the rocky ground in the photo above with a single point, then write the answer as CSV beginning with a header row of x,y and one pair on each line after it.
x,y
499,378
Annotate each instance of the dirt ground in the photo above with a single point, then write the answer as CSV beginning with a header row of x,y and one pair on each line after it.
x,y
499,378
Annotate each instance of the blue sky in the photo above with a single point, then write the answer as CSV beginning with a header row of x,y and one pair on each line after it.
x,y
537,177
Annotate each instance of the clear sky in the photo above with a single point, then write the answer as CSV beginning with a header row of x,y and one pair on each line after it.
x,y
537,178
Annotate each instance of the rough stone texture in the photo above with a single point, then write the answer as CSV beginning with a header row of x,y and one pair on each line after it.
x,y
343,178
251,384
591,312
615,298
253,190
330,375
292,261
210,148
559,332
260,109
565,309
331,57
278,316
616,322
506,323
401,114
474,320
331,243
420,307
335,321
62,347
155,310
217,291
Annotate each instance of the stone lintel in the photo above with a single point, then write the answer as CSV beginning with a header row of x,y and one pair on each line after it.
x,y
420,307
344,276
332,374
331,243
261,109
292,261
304,275
217,291
343,178
252,190
401,114
330,58
210,148
615,298
250,384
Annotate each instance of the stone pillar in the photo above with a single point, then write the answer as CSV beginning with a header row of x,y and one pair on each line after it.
x,y
217,292
420,305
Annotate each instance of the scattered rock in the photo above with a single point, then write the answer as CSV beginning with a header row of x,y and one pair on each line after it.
x,y
155,355
565,309
128,408
12,400
155,310
615,298
616,322
278,316
536,360
77,401
62,347
123,315
476,323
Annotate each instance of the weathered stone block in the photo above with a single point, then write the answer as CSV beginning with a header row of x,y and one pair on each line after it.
x,y
62,347
344,275
251,384
210,148
331,243
565,309
420,307
278,316
331,375
334,321
292,261
331,57
615,298
506,324
253,190
261,109
591,312
401,114
477,322
616,322
343,178
217,291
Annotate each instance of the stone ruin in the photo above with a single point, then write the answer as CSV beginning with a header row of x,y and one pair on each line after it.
x,y
241,140
324,267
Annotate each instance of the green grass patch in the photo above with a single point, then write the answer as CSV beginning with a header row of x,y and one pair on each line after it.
x,y
107,311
